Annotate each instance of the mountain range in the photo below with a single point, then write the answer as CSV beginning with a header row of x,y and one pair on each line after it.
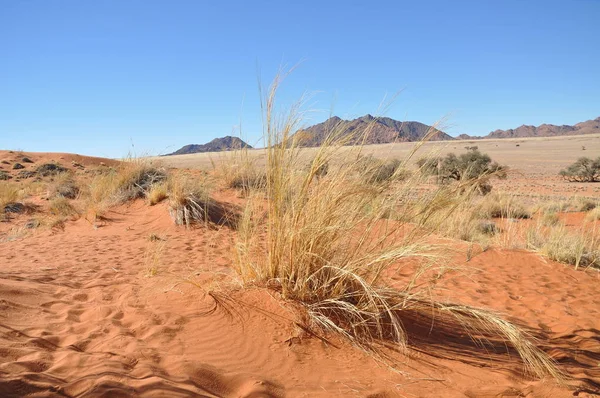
x,y
385,130
226,143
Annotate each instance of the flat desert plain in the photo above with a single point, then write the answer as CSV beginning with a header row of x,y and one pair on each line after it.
x,y
124,302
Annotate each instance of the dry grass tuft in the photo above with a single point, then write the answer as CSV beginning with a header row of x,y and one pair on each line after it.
x,y
64,186
501,206
133,179
549,219
190,203
239,171
593,215
63,208
9,193
579,248
321,249
157,193
153,256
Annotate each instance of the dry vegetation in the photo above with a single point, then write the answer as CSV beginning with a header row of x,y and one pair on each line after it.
x,y
328,244
327,231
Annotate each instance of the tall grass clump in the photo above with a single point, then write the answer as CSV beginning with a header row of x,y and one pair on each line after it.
x,y
131,179
190,203
9,193
329,246
593,215
239,170
501,206
579,248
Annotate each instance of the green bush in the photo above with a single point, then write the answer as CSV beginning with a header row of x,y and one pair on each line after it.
x,y
583,170
471,166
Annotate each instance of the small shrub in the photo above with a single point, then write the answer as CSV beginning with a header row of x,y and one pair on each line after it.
x,y
376,171
64,186
49,169
583,170
4,176
472,167
136,178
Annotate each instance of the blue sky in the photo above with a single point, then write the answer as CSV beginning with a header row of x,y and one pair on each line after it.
x,y
95,77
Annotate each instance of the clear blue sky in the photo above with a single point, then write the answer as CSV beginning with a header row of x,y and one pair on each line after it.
x,y
93,77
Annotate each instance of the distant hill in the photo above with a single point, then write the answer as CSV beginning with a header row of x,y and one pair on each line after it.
x,y
383,130
543,130
227,143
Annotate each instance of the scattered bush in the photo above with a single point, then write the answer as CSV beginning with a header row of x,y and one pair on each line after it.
x,y
473,168
583,170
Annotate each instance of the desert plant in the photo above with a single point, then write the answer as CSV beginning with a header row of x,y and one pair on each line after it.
x,y
593,215
583,170
472,165
377,171
501,206
132,179
157,193
64,186
549,219
62,207
323,251
49,169
578,248
135,178
190,203
9,193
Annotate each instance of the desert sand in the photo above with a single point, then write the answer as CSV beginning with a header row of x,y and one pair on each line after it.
x,y
135,306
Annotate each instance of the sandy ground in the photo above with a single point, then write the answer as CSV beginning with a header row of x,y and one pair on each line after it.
x,y
123,309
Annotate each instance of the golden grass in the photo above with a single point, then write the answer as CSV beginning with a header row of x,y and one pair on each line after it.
x,y
330,245
62,207
153,256
157,193
9,193
238,170
501,206
593,215
579,248
190,203
132,179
